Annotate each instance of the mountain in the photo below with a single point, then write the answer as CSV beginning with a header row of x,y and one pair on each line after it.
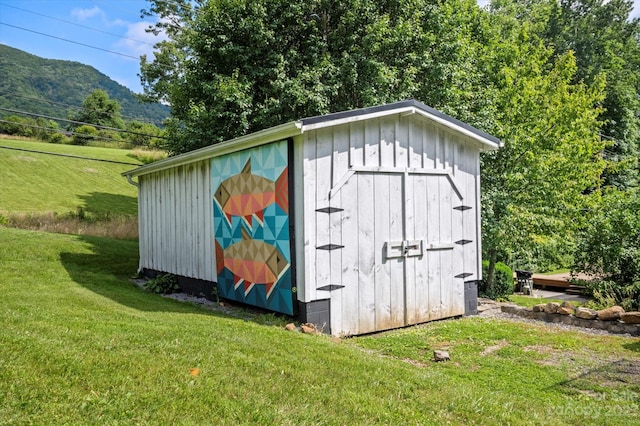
x,y
53,87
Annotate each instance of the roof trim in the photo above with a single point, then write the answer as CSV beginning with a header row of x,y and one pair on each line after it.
x,y
408,106
294,128
283,131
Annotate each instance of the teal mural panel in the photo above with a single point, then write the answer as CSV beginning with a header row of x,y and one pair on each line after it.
x,y
251,225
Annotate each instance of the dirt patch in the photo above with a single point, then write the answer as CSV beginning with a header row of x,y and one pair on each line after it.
x,y
24,158
89,170
494,348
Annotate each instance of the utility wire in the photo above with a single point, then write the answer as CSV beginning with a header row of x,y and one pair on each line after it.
x,y
141,119
68,155
76,24
48,117
70,41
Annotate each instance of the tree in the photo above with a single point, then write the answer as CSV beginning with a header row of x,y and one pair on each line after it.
x,y
605,42
609,249
233,67
98,109
538,186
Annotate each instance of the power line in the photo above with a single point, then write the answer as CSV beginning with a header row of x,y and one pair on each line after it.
x,y
76,24
48,117
68,155
64,132
70,41
142,119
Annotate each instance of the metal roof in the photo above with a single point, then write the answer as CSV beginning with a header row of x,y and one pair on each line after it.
x,y
294,128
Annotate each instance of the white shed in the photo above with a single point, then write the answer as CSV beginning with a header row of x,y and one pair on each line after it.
x,y
357,221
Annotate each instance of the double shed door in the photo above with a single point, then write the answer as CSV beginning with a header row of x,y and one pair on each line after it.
x,y
398,260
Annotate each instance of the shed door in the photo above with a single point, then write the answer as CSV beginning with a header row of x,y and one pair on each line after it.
x,y
396,266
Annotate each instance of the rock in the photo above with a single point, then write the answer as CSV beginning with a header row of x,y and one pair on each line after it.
x,y
630,317
586,313
610,314
565,309
441,356
539,307
551,307
290,327
308,328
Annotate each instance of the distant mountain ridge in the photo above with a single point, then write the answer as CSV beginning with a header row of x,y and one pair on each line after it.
x,y
27,82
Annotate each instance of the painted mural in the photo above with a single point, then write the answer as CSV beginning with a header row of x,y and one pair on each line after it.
x,y
251,222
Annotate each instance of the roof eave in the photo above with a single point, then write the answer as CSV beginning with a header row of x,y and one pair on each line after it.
x,y
280,132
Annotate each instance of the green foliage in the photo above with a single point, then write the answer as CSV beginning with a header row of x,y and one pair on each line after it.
x,y
98,109
84,134
47,86
609,249
502,284
163,284
537,188
239,66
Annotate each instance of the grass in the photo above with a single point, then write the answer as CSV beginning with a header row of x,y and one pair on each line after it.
x,y
80,344
53,193
40,183
528,301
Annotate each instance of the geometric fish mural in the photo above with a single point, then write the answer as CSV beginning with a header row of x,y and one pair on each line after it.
x,y
251,225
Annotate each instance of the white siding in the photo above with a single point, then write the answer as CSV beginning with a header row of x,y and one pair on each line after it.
x,y
176,220
381,164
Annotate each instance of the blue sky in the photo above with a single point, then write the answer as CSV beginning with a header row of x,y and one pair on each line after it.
x,y
111,25
88,22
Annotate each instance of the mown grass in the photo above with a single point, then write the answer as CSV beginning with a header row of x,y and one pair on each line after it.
x,y
40,183
80,344
528,301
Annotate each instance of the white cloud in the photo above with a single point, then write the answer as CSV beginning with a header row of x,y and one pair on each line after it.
x,y
84,14
137,41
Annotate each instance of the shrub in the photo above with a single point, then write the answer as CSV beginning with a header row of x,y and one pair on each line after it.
x,y
83,134
503,281
163,284
610,251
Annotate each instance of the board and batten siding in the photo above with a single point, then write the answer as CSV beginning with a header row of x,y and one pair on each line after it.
x,y
399,166
176,221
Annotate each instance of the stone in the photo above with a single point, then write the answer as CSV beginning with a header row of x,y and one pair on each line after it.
x,y
290,327
308,328
565,309
539,307
630,317
441,356
551,307
586,313
610,314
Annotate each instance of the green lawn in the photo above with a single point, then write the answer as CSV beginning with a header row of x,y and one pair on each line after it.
x,y
80,344
36,183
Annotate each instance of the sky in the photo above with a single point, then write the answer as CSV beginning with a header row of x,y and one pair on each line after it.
x,y
108,35
113,28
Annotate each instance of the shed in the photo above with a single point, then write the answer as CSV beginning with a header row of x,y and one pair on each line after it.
x,y
357,221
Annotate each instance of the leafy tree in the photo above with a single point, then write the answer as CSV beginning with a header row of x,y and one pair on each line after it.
x,y
143,134
232,67
84,134
98,109
536,188
605,42
610,250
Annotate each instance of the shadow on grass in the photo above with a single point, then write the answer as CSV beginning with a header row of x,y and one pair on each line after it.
x,y
623,373
107,271
105,204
